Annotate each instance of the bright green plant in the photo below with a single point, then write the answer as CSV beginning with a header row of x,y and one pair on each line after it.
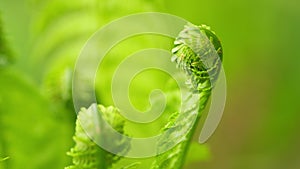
x,y
190,62
86,154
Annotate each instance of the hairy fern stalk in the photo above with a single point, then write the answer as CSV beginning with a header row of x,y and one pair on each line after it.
x,y
190,47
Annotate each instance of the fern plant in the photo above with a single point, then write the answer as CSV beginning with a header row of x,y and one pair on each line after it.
x,y
86,153
188,53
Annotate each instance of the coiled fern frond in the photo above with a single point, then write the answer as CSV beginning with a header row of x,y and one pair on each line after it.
x,y
191,49
86,153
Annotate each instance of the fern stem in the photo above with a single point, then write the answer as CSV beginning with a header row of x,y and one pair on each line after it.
x,y
190,137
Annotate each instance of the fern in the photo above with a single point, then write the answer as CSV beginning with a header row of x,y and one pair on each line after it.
x,y
86,153
190,48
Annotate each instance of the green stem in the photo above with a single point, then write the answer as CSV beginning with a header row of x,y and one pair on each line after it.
x,y
190,138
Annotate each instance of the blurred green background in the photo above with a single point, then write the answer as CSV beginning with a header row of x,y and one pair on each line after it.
x,y
261,122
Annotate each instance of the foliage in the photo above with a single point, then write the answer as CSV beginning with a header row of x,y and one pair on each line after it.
x,y
87,155
40,40
200,82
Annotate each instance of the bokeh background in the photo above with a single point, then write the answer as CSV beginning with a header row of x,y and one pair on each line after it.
x,y
261,122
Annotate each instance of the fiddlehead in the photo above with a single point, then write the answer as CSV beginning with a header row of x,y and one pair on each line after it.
x,y
192,54
87,154
190,49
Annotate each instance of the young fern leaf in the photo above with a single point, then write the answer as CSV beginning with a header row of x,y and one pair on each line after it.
x,y
189,50
86,153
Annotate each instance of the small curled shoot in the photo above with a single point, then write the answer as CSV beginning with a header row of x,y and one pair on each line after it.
x,y
193,53
86,154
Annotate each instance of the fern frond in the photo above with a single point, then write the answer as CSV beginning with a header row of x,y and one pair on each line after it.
x,y
191,46
87,154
